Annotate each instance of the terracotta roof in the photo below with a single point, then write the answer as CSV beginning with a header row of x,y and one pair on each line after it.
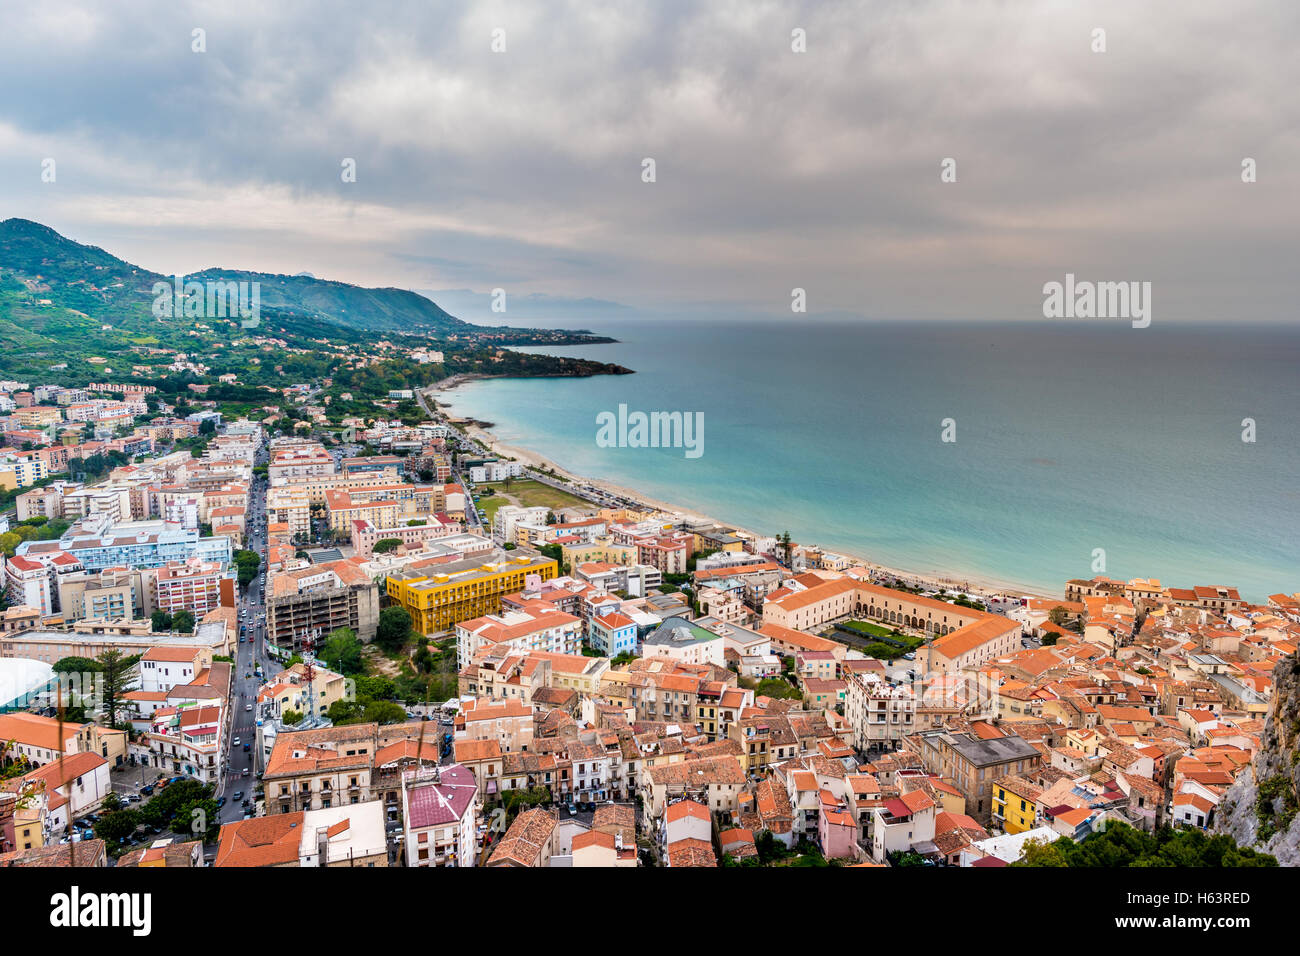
x,y
261,841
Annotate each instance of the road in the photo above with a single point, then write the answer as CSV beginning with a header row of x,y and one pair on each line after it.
x,y
242,771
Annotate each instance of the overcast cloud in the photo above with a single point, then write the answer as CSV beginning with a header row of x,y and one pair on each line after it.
x,y
775,169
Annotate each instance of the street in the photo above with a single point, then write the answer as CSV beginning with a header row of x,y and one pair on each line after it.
x,y
241,773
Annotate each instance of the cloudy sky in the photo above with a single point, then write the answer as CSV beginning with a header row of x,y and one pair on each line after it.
x,y
774,169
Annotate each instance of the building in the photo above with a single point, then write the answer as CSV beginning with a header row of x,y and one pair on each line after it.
x,y
684,642
344,835
441,595
440,810
972,764
351,835
304,605
611,633
880,714
290,506
195,586
138,544
902,823
668,554
164,667
39,740
971,645
716,782
320,769
531,840
538,626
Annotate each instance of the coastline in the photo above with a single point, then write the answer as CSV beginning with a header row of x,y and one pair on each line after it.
x,y
978,586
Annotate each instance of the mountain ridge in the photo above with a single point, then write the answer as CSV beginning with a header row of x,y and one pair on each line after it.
x,y
34,251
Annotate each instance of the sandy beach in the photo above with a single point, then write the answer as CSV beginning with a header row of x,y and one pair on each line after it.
x,y
973,586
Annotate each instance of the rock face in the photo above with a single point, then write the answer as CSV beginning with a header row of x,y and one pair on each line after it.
x,y
1259,810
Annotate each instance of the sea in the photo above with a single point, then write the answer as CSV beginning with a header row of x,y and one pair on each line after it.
x,y
1021,454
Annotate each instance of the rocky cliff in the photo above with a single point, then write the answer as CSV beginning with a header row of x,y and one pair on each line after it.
x,y
1259,810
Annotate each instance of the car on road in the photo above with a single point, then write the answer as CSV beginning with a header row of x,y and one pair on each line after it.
x,y
235,741
237,795
221,802
248,708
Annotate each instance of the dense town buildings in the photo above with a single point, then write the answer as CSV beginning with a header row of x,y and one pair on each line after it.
x,y
592,661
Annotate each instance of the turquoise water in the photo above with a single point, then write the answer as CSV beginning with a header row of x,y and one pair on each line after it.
x,y
1069,437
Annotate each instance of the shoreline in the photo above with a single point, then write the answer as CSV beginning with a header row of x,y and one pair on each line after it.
x,y
978,586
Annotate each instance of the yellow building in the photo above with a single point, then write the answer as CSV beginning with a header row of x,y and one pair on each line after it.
x,y
36,416
21,471
29,832
602,549
1015,803
438,596
614,687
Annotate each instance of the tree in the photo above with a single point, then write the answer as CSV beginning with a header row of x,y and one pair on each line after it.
x,y
76,665
119,680
160,621
344,712
384,545
1122,845
1038,853
116,824
785,548
291,717
383,712
200,817
1058,616
376,687
342,652
183,621
394,630
247,564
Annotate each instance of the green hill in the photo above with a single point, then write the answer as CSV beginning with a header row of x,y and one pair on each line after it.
x,y
43,273
79,310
